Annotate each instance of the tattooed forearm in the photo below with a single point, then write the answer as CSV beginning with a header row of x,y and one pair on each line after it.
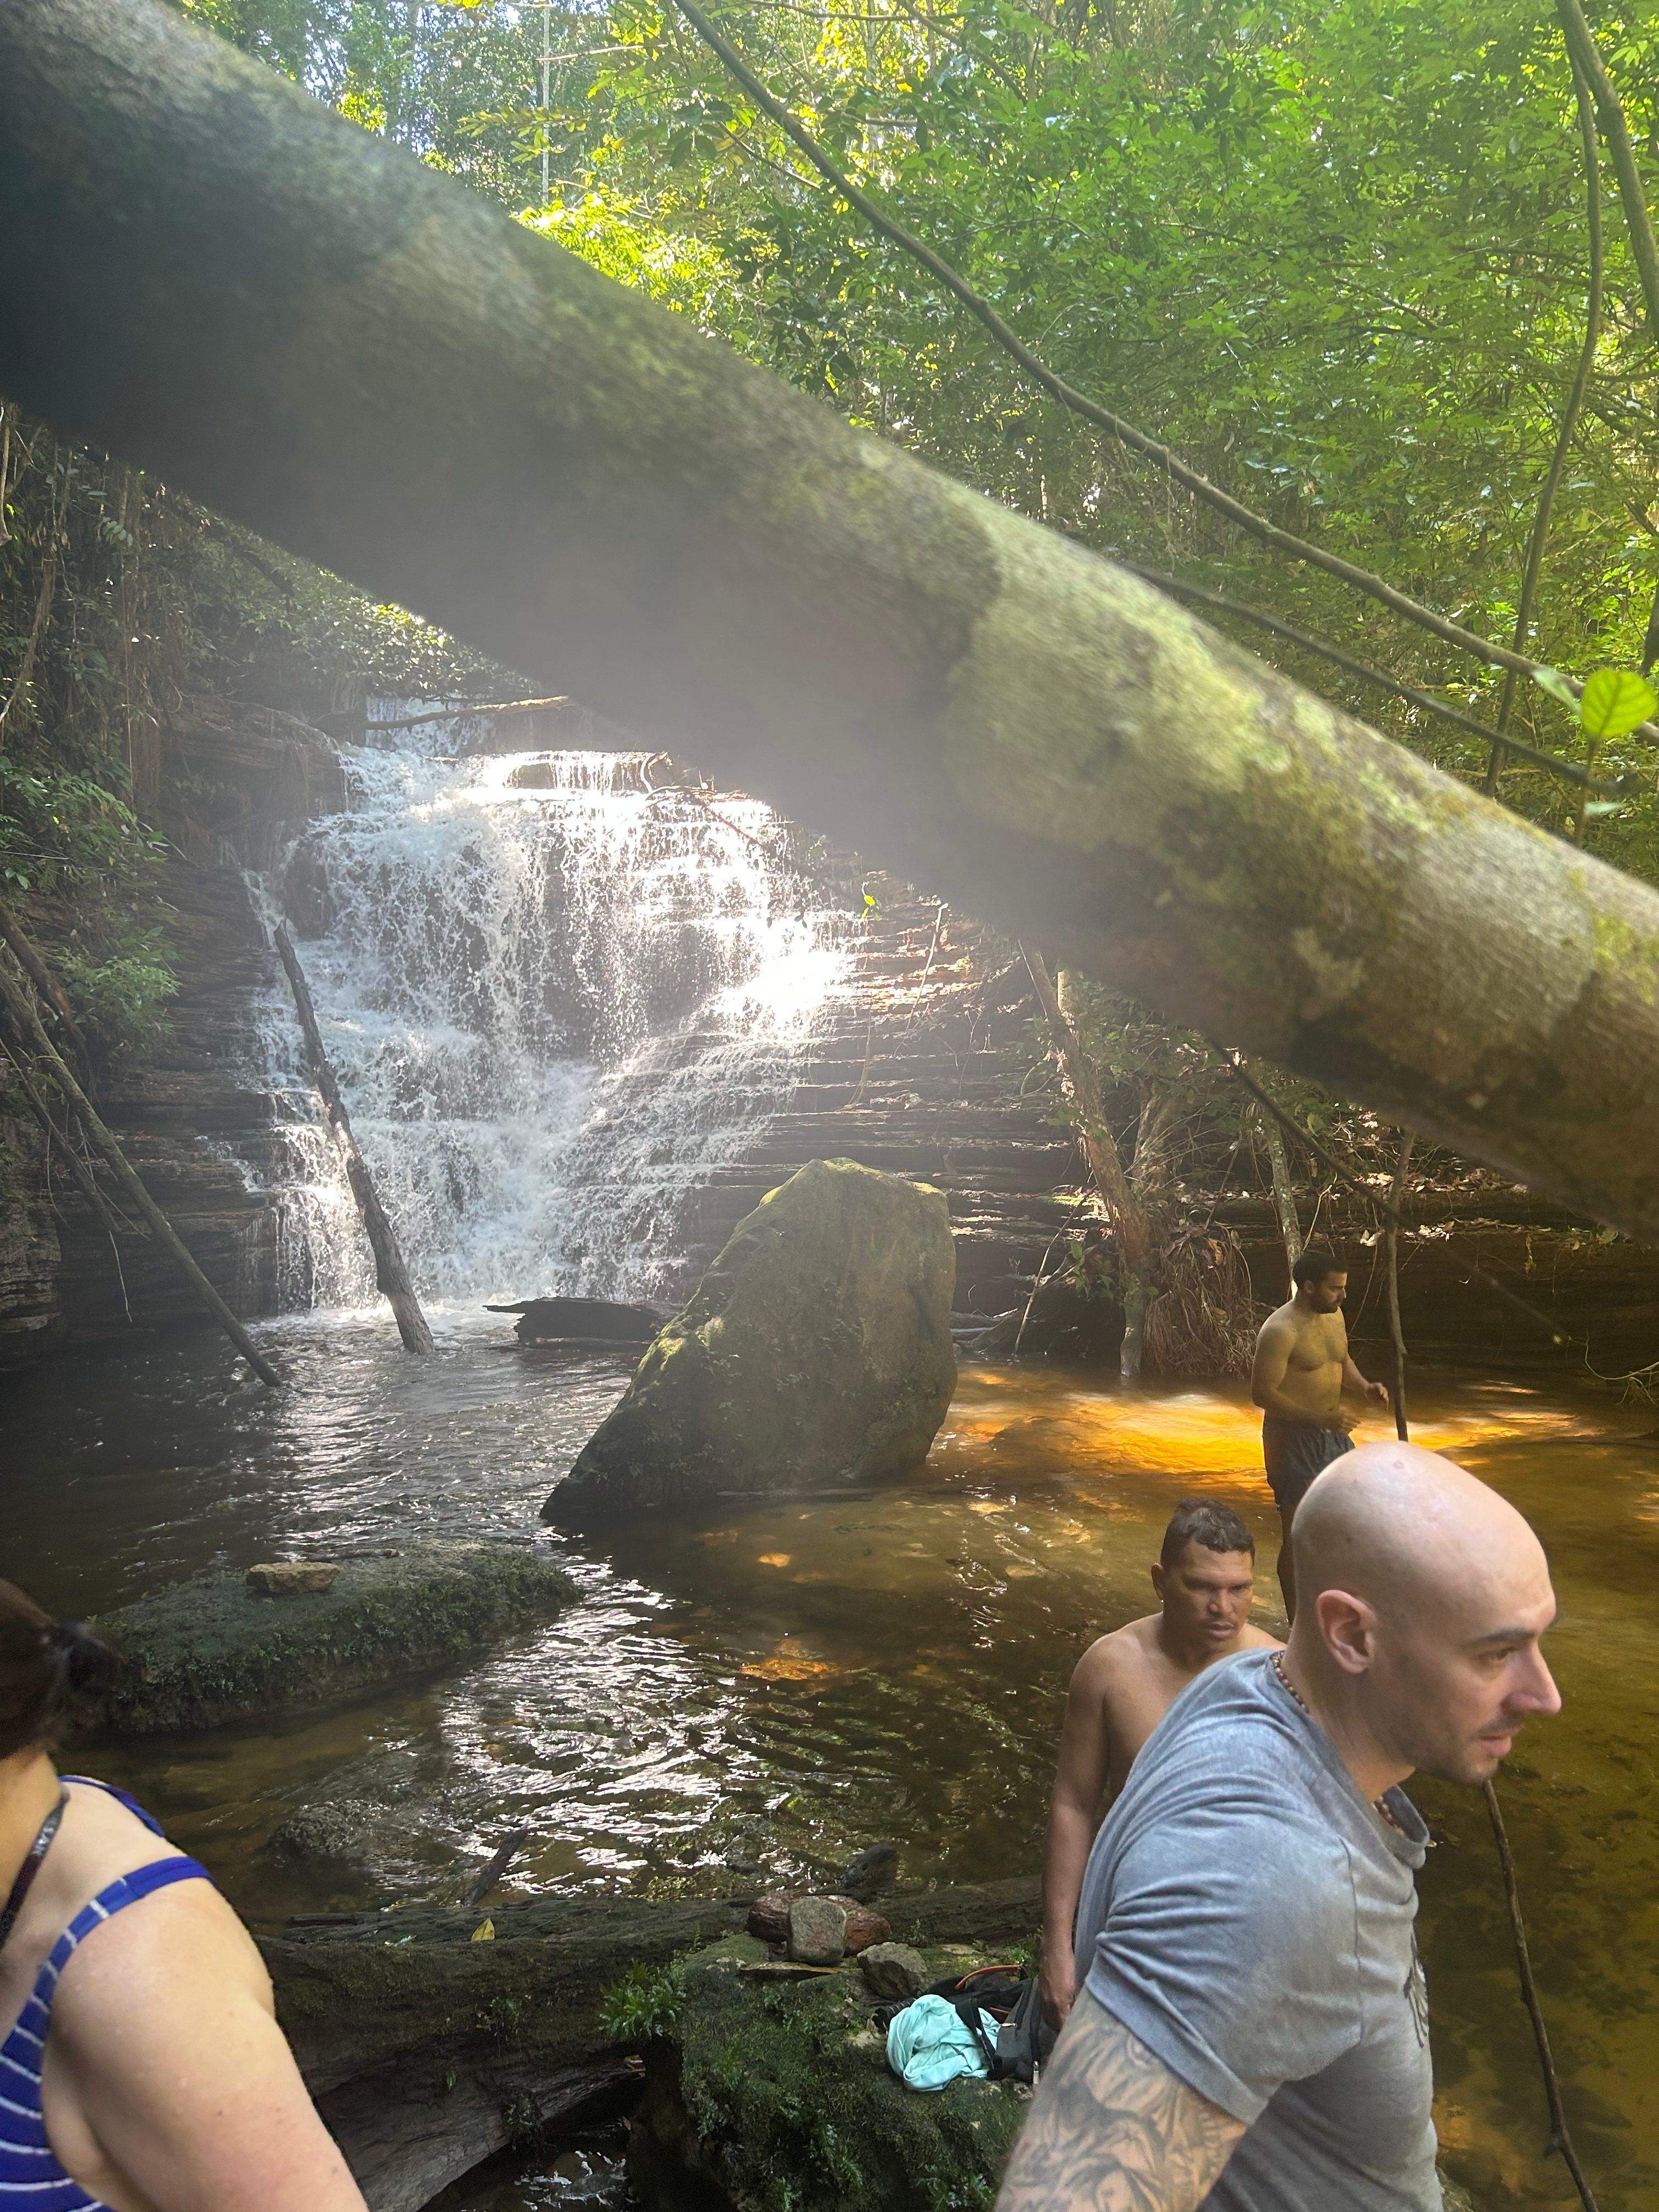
x,y
1113,2131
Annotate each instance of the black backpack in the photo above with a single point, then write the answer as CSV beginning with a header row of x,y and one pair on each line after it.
x,y
1013,1999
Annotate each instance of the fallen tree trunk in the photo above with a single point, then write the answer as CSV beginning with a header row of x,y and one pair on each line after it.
x,y
391,1272
49,990
427,2051
726,567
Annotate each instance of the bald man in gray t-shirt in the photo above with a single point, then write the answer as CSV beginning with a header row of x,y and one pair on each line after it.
x,y
1250,1918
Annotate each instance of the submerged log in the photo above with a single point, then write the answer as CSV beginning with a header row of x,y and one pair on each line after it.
x,y
390,1274
582,1321
719,563
427,2053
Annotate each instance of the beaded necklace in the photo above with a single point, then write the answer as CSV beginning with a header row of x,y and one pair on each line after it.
x,y
1379,1805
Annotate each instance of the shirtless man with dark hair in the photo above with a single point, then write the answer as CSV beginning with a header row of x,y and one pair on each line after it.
x,y
1301,1368
1123,1685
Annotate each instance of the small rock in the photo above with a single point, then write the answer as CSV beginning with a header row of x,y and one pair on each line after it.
x,y
894,1970
864,1927
768,1917
288,1578
870,1872
347,1828
817,1931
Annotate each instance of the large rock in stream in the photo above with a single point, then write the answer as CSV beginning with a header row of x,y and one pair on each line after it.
x,y
815,1352
212,1651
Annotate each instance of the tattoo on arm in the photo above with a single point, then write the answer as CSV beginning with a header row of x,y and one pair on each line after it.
x,y
1114,2130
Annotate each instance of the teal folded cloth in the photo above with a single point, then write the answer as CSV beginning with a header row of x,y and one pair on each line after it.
x,y
929,2044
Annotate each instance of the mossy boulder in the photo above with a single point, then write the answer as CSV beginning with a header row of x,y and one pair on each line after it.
x,y
770,2096
210,1651
816,1351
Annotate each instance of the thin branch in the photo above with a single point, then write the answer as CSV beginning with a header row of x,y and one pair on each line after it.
x,y
1079,403
1581,43
459,710
1559,2139
1570,414
1569,771
1391,1246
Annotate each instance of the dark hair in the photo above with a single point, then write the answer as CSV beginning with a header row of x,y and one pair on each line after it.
x,y
52,1674
1317,1264
1196,1521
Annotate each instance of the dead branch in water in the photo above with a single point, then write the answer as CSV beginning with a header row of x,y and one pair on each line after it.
x,y
1559,2138
391,1272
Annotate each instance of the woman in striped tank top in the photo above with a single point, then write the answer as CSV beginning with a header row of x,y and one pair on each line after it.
x,y
142,2068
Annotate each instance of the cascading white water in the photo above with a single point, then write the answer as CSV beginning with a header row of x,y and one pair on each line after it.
x,y
556,1000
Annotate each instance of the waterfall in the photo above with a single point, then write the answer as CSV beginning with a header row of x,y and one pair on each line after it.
x,y
558,1003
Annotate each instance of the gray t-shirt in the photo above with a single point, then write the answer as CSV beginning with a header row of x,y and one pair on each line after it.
x,y
1251,1918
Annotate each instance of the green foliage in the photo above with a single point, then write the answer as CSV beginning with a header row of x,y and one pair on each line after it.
x,y
58,831
121,1001
645,2003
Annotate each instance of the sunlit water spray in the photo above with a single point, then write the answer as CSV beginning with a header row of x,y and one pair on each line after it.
x,y
558,1003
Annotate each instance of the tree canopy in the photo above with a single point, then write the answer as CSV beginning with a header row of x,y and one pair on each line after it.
x,y
1337,256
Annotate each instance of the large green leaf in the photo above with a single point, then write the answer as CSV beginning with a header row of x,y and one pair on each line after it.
x,y
1614,702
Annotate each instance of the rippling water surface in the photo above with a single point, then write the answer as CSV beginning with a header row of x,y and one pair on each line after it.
x,y
775,1686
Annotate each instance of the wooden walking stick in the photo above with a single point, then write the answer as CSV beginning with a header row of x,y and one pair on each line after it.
x,y
19,1005
390,1274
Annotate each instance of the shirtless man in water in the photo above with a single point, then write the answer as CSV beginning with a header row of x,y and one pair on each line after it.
x,y
1302,1367
1124,1685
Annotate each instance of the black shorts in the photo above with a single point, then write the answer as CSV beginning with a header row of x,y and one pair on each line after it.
x,y
1295,1452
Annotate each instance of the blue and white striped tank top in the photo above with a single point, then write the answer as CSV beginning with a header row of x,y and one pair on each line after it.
x,y
31,2179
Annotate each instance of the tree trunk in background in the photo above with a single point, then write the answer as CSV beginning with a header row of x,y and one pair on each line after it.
x,y
391,1272
1132,1230
1290,1226
614,504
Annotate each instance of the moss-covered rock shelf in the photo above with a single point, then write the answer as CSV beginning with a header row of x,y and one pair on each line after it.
x,y
777,2097
209,1651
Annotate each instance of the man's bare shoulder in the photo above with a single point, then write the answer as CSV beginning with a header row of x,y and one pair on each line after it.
x,y
1121,1650
1283,1324
1257,1639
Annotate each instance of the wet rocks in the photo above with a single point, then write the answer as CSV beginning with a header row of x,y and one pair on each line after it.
x,y
341,1831
894,1970
817,1931
869,1872
291,1578
210,1651
768,1919
816,1351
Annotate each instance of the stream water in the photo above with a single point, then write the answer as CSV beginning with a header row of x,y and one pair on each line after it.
x,y
782,1685
560,1004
